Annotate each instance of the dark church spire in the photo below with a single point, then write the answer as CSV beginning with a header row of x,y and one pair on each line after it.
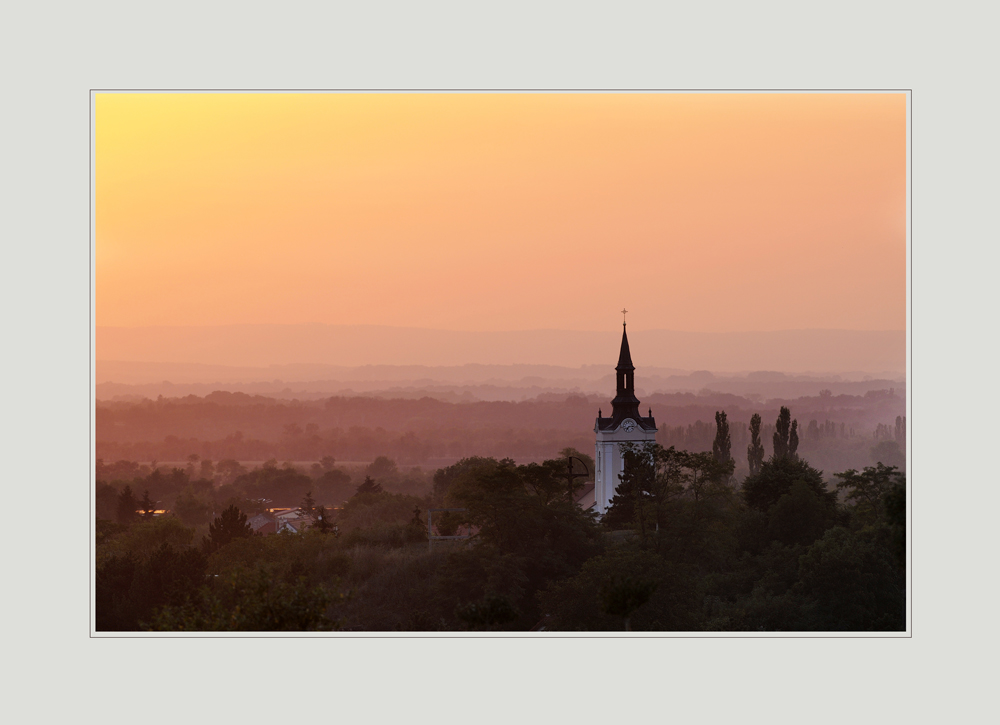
x,y
625,404
625,357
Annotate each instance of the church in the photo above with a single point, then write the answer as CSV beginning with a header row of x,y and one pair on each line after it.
x,y
624,425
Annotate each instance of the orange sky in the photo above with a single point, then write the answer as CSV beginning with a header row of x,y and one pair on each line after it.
x,y
699,212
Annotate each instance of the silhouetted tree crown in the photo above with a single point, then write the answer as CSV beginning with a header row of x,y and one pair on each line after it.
x,y
786,435
232,524
127,505
722,445
755,451
147,506
775,478
308,504
368,486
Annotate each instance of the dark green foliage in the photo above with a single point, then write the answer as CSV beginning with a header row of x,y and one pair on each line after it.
x,y
672,498
587,460
867,491
786,437
105,530
106,502
623,594
447,523
127,505
853,583
147,506
251,601
519,509
143,538
755,451
383,509
895,513
129,589
491,611
323,522
626,587
232,524
722,445
392,536
692,556
308,504
445,477
191,508
333,486
775,478
382,467
799,516
368,486
280,486
524,521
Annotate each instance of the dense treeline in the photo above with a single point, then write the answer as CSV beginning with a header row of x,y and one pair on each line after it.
x,y
687,545
255,428
194,494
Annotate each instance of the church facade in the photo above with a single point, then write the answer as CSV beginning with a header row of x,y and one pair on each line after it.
x,y
625,425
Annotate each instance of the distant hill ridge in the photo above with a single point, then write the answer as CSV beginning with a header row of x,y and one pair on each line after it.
x,y
259,346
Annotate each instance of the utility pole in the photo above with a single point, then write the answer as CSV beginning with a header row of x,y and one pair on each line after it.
x,y
570,476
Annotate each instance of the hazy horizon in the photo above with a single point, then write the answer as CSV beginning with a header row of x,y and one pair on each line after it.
x,y
263,346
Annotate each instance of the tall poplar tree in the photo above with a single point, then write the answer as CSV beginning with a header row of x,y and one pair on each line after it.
x,y
781,428
722,445
755,451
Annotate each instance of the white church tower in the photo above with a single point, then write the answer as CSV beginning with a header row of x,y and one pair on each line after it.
x,y
624,426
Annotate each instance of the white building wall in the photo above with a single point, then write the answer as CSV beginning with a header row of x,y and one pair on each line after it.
x,y
608,456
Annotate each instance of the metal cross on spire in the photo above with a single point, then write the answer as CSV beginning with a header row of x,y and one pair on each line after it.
x,y
623,315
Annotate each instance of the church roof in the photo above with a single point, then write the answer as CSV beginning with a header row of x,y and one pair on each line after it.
x,y
625,357
625,404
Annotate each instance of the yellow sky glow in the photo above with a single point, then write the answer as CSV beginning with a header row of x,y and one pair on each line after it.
x,y
708,212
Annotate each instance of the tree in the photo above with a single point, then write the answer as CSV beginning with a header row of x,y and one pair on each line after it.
x,y
106,500
190,509
895,510
147,506
622,595
798,517
489,613
868,490
722,445
308,504
322,522
232,524
333,485
368,486
588,460
775,478
782,428
127,506
793,440
853,582
382,467
755,451
128,589
251,601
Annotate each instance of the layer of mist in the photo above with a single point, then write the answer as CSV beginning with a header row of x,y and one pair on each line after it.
x,y
258,346
466,383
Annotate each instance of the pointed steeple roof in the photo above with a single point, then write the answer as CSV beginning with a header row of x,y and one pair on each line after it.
x,y
625,404
625,357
